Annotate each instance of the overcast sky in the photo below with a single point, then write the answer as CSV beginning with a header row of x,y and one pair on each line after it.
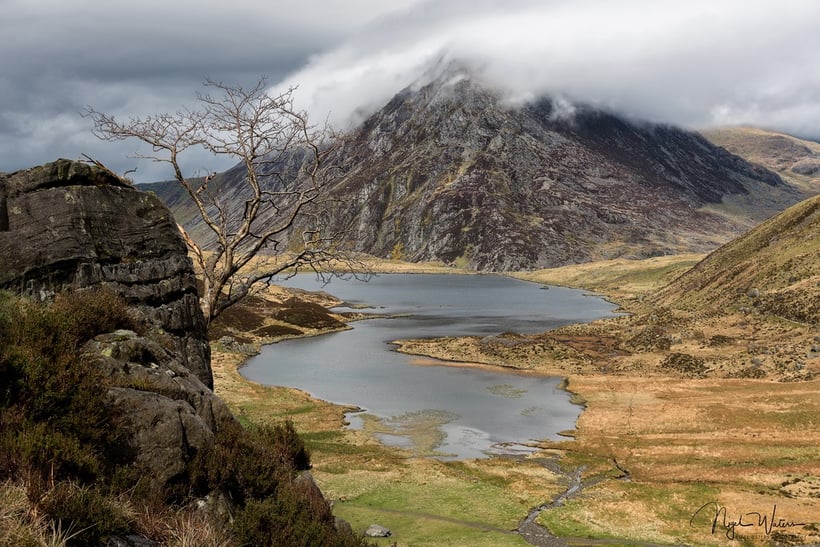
x,y
696,63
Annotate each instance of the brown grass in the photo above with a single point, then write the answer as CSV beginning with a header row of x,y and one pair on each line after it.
x,y
746,444
667,401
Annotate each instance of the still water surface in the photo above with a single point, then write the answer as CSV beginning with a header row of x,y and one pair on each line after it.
x,y
477,411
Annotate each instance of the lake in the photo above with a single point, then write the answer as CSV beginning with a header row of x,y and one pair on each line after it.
x,y
444,411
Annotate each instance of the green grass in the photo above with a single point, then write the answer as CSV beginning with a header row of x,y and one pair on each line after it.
x,y
419,530
479,501
428,502
447,512
657,513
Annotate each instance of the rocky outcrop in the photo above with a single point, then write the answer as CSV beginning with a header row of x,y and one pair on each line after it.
x,y
68,226
170,414
71,226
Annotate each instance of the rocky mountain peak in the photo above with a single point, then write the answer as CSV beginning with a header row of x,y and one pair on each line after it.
x,y
451,170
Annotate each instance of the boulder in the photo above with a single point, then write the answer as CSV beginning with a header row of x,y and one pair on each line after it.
x,y
169,413
68,226
377,531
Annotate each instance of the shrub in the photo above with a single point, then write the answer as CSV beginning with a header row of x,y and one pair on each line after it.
x,y
90,514
91,312
249,463
685,363
296,516
56,421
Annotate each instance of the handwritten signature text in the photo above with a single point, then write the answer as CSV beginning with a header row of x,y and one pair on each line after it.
x,y
720,520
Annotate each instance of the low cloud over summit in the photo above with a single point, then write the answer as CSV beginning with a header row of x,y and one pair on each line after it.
x,y
694,63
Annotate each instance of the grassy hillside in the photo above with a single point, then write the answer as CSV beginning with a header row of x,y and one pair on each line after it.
x,y
796,160
774,268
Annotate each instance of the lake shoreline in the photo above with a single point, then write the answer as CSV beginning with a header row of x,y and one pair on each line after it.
x,y
364,367
642,421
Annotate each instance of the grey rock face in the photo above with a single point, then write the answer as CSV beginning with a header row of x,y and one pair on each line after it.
x,y
450,172
70,226
185,405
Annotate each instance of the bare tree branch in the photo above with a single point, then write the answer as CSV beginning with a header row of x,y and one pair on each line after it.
x,y
273,223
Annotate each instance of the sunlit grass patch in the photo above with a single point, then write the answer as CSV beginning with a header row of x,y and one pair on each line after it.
x,y
657,513
435,494
421,530
471,500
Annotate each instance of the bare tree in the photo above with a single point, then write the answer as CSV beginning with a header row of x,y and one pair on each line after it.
x,y
273,223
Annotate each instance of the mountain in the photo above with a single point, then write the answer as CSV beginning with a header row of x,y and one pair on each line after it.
x,y
774,268
450,171
795,160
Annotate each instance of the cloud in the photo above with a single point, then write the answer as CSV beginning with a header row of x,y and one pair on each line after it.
x,y
694,63
141,58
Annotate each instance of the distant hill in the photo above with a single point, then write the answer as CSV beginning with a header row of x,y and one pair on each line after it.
x,y
774,268
796,160
450,171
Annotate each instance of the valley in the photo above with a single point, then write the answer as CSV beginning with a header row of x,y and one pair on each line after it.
x,y
691,414
410,274
699,402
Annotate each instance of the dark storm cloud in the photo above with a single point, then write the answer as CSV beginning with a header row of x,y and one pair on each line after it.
x,y
143,58
695,63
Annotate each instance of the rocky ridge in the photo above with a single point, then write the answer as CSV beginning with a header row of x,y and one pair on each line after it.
x,y
451,171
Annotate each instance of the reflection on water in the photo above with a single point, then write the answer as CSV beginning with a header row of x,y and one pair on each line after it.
x,y
455,411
